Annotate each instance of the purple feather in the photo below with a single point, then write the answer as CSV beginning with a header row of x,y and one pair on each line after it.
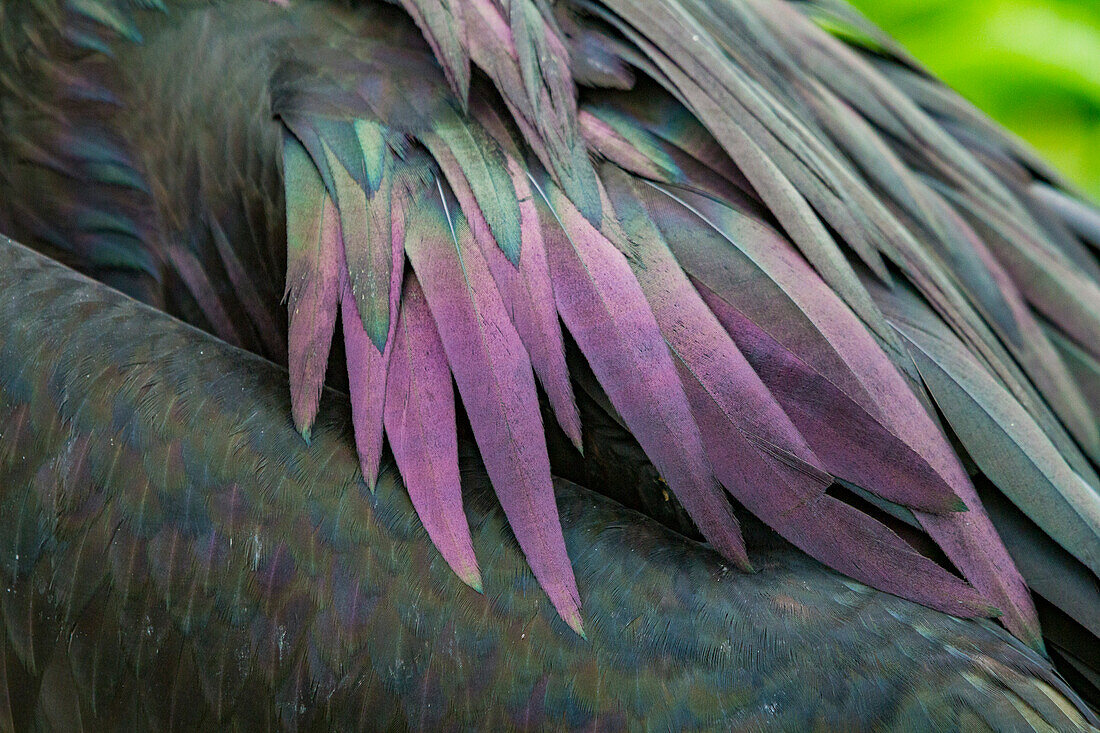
x,y
314,252
253,302
367,366
420,423
190,270
605,310
811,322
699,342
525,289
797,507
757,453
856,446
495,379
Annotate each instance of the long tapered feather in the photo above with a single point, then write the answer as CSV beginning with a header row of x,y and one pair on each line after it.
x,y
494,377
604,309
524,286
697,340
1049,280
830,530
480,161
806,185
781,294
364,227
1000,436
420,423
367,366
758,453
313,252
811,415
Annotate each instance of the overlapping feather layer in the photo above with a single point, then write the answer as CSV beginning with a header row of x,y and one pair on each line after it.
x,y
775,262
789,263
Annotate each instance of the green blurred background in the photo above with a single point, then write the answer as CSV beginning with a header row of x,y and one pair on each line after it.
x,y
1033,65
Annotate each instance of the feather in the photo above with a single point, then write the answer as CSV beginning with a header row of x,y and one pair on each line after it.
x,y
638,153
593,58
854,79
443,26
604,309
114,18
527,290
248,293
851,443
420,423
494,377
830,530
1049,280
672,128
480,162
696,339
367,367
1085,368
525,287
198,282
858,447
767,282
758,453
1017,326
1004,441
312,292
1051,571
790,168
365,229
549,122
302,127
1083,219
543,61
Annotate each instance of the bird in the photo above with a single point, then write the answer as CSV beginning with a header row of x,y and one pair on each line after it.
x,y
701,364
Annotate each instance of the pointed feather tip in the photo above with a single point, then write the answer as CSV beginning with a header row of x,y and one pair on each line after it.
x,y
378,327
972,605
379,338
975,607
370,478
1034,639
510,244
303,412
572,432
573,620
471,576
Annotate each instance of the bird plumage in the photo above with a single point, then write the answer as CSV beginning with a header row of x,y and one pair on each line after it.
x,y
164,576
794,270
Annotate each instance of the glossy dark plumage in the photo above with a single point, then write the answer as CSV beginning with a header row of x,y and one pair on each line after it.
x,y
829,288
223,576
